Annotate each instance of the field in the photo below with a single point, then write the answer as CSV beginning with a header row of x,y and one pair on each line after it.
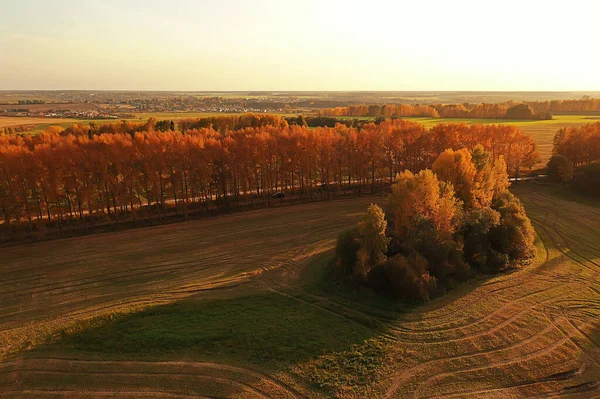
x,y
37,125
31,122
52,106
243,306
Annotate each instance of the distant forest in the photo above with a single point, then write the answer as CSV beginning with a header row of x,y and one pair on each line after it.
x,y
503,110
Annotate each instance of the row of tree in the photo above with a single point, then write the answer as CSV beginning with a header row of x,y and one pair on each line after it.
x,y
14,129
501,110
576,158
585,104
440,226
580,144
55,177
219,123
585,179
509,110
232,122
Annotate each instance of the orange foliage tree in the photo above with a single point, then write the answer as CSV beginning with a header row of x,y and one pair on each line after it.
x,y
129,171
581,145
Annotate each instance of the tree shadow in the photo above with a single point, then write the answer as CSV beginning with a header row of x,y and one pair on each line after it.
x,y
263,326
314,314
309,319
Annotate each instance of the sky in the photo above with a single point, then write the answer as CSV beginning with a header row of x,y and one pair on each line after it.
x,y
524,45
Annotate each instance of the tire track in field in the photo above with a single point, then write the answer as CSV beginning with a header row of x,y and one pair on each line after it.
x,y
101,278
589,282
513,360
544,351
488,330
511,285
558,232
146,296
177,291
577,329
293,266
416,372
405,375
80,393
421,367
379,321
65,366
71,373
558,377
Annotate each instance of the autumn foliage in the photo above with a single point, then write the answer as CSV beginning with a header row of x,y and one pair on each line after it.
x,y
581,145
508,110
129,171
576,158
502,110
559,169
440,227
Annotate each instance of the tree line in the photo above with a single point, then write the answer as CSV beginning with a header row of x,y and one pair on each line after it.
x,y
576,158
585,104
508,110
221,123
130,171
14,129
580,144
503,110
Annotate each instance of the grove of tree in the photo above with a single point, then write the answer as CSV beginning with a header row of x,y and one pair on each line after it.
x,y
440,227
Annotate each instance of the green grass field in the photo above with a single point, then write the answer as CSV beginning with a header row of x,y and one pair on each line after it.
x,y
243,306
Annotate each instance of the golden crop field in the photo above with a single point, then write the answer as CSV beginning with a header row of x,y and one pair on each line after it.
x,y
36,125
7,121
243,306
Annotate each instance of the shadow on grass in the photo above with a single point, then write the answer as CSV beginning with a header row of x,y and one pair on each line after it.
x,y
258,327
324,330
288,323
277,323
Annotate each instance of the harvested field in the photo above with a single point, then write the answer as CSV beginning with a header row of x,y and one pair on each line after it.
x,y
52,106
35,125
240,306
6,121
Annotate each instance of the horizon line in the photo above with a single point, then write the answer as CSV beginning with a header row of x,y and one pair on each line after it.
x,y
300,91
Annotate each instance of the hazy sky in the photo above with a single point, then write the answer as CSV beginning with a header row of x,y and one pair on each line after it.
x,y
299,45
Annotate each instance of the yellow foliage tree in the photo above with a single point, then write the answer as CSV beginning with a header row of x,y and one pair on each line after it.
x,y
457,168
422,197
476,179
372,241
